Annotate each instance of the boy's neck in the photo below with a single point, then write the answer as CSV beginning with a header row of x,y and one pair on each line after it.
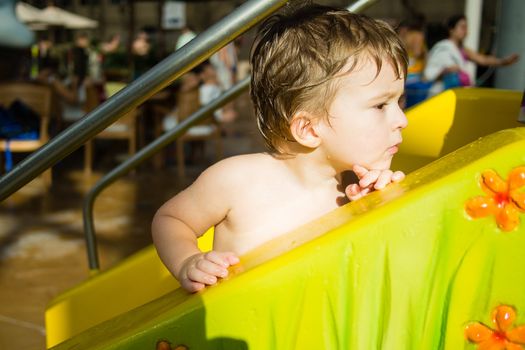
x,y
310,167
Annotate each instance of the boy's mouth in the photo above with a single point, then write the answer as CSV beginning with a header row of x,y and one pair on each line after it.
x,y
394,149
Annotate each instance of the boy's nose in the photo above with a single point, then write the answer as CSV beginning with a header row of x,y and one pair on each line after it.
x,y
399,119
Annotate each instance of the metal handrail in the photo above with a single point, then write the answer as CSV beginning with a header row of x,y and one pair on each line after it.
x,y
144,154
160,76
155,146
361,5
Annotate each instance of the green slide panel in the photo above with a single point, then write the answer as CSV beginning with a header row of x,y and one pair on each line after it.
x,y
435,262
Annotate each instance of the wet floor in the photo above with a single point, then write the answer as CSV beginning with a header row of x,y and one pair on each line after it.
x,y
42,250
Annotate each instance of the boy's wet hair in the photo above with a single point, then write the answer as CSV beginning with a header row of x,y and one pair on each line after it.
x,y
296,55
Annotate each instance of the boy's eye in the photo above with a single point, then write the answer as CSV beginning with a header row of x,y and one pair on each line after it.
x,y
402,100
380,106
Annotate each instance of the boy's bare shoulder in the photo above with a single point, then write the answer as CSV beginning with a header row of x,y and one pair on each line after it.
x,y
236,170
238,167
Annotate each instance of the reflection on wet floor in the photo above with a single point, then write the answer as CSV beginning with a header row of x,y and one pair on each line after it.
x,y
42,251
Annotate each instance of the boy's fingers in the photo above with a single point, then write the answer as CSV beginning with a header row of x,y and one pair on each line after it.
x,y
352,190
224,259
355,197
365,191
398,176
212,268
385,177
369,178
359,170
216,257
229,257
196,275
191,286
233,259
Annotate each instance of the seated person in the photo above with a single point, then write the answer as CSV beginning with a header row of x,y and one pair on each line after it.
x,y
334,110
70,94
204,78
71,91
447,61
412,32
210,89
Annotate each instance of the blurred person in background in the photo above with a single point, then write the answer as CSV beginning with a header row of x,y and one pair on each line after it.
x,y
70,91
447,61
115,60
143,55
185,37
111,45
41,56
412,33
95,62
80,60
225,63
210,89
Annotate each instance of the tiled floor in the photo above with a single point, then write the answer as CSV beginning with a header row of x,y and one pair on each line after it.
x,y
42,251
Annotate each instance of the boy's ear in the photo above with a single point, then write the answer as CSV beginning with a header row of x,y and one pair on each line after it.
x,y
303,130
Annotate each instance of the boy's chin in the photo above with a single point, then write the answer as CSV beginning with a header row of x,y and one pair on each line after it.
x,y
382,165
377,165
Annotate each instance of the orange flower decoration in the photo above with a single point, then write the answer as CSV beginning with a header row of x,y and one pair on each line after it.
x,y
505,199
500,338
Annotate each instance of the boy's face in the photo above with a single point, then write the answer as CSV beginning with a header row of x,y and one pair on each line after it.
x,y
365,120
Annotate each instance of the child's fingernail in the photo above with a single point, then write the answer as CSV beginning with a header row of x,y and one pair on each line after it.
x,y
223,273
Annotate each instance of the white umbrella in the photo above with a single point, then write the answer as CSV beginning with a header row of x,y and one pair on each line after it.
x,y
34,18
27,13
66,18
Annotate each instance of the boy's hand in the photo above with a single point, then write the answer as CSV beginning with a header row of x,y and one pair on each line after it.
x,y
370,180
204,269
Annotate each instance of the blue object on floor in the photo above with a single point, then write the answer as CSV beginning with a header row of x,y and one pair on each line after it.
x,y
416,92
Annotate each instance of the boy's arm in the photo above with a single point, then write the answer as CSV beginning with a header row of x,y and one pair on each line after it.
x,y
370,180
180,221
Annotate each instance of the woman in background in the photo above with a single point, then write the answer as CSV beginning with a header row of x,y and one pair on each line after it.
x,y
447,61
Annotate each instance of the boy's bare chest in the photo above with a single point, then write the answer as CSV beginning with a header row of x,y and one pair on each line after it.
x,y
270,214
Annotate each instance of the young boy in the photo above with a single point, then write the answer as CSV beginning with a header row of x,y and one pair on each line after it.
x,y
326,85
